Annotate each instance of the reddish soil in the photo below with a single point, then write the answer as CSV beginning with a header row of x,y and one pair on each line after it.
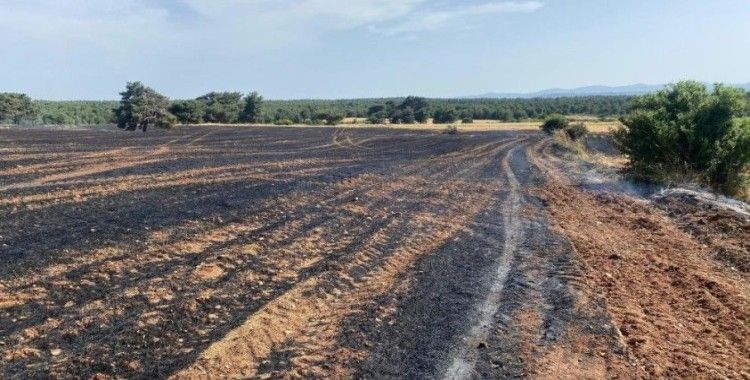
x,y
211,252
680,312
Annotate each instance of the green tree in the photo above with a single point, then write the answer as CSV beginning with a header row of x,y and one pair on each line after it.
x,y
444,116
15,108
422,115
375,109
376,114
222,107
407,116
141,107
188,111
419,109
252,108
687,129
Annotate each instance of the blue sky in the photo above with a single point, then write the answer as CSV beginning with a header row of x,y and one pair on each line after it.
x,y
88,49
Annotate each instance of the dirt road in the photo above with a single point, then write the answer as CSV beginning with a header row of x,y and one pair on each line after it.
x,y
323,252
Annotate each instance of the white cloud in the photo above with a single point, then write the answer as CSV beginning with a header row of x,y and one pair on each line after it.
x,y
122,29
433,20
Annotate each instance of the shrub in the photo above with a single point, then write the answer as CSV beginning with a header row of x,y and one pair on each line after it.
x,y
188,111
444,116
554,123
141,107
467,120
685,129
376,118
421,116
283,122
451,130
576,131
562,140
327,118
221,107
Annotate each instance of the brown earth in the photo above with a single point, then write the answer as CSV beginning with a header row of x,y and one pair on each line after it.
x,y
680,312
212,252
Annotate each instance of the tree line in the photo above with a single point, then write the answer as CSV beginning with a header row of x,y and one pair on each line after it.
x,y
234,107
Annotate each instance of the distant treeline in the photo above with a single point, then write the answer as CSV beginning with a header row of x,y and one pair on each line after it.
x,y
317,111
233,107
491,109
74,112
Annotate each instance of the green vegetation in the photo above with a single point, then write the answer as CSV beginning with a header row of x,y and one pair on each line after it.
x,y
15,108
231,107
554,123
142,107
444,116
566,136
411,110
252,109
75,112
684,130
221,107
478,109
228,107
576,131
188,111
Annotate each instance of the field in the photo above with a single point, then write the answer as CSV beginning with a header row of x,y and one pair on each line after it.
x,y
594,126
290,252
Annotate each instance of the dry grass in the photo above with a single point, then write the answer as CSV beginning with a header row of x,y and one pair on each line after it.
x,y
594,126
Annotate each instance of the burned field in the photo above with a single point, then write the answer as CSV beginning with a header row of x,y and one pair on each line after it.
x,y
332,252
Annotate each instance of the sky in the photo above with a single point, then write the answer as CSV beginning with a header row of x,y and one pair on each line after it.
x,y
291,49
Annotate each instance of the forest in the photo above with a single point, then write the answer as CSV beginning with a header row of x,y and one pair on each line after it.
x,y
228,107
234,107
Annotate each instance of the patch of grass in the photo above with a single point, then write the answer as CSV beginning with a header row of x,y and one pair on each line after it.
x,y
576,131
561,140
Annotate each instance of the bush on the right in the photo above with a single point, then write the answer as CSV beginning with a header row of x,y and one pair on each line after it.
x,y
685,129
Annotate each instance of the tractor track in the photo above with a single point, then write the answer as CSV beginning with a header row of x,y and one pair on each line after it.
x,y
222,252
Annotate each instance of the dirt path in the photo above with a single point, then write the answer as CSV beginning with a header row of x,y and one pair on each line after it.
x,y
321,253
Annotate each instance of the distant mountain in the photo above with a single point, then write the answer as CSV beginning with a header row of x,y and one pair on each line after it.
x,y
634,89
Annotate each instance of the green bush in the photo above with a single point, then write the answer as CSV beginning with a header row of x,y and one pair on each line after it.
x,y
376,118
188,111
327,118
444,116
684,129
576,131
221,107
467,120
554,123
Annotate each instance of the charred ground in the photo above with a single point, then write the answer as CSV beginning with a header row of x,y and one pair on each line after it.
x,y
315,252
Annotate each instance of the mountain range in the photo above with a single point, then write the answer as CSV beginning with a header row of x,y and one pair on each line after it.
x,y
633,89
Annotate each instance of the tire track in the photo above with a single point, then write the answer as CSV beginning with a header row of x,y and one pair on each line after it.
x,y
462,362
